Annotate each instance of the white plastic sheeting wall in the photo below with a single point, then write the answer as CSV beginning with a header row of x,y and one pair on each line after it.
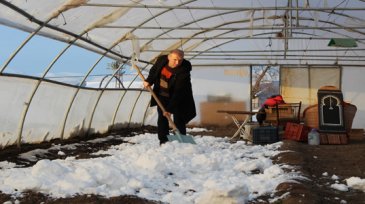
x,y
14,92
353,90
47,111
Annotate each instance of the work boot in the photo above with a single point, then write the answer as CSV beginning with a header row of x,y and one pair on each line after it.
x,y
163,142
163,139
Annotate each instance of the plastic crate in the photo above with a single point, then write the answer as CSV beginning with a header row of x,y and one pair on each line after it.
x,y
265,135
297,132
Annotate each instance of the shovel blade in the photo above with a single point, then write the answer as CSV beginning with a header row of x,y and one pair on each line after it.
x,y
181,138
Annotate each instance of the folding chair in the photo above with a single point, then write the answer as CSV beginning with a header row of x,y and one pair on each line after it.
x,y
240,126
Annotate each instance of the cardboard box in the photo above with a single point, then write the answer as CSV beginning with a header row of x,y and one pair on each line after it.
x,y
210,116
285,112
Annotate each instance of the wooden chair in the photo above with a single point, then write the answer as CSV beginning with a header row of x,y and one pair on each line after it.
x,y
281,114
310,116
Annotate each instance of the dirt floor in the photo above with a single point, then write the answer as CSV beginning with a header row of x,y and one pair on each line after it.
x,y
317,163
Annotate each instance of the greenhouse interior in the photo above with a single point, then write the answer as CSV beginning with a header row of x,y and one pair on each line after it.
x,y
67,68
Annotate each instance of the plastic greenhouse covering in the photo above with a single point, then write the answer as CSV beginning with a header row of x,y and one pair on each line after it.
x,y
65,65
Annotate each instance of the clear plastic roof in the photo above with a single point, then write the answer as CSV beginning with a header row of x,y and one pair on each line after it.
x,y
211,32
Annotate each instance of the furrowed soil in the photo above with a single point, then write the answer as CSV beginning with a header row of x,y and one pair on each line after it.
x,y
321,166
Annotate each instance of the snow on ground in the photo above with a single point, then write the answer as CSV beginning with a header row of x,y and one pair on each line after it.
x,y
356,183
352,182
212,171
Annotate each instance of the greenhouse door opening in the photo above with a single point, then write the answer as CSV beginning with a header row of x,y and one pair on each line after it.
x,y
264,83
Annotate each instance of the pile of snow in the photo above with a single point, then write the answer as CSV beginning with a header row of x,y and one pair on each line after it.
x,y
212,171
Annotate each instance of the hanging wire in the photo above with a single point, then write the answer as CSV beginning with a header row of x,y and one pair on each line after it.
x,y
204,33
270,42
341,3
177,18
173,12
351,50
180,22
341,12
306,48
181,44
64,19
332,12
218,12
314,14
120,49
224,21
153,16
87,36
272,29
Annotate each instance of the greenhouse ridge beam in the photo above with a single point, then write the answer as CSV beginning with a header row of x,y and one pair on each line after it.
x,y
215,8
241,38
202,56
287,59
303,65
237,28
250,51
278,27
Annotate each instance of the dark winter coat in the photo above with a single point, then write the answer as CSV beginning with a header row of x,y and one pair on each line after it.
x,y
180,89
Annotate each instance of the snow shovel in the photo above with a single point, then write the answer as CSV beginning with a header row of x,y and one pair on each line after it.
x,y
178,136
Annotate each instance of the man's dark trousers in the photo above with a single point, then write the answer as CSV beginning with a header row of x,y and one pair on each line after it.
x,y
163,123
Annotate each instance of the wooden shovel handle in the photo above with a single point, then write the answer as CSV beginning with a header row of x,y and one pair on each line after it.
x,y
157,99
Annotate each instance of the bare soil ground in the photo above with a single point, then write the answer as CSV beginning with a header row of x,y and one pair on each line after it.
x,y
344,161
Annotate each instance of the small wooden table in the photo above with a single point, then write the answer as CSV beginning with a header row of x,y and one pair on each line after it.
x,y
241,127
